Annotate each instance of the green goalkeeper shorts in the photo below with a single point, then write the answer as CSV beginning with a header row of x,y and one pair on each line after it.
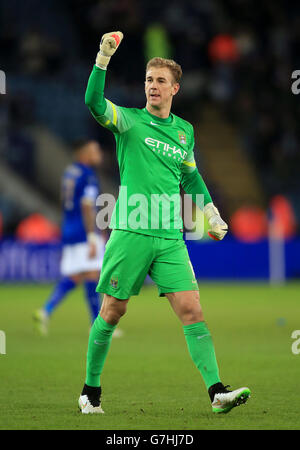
x,y
130,256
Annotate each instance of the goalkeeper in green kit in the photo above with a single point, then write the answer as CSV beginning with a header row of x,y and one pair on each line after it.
x,y
155,155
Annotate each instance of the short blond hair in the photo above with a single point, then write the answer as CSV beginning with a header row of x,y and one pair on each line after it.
x,y
174,68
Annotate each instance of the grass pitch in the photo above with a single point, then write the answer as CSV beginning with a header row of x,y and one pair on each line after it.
x,y
149,381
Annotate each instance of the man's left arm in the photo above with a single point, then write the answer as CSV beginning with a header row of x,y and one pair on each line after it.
x,y
193,184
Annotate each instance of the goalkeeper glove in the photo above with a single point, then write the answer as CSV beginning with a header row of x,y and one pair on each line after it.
x,y
218,226
108,45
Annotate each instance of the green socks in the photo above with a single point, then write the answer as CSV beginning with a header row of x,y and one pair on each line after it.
x,y
202,351
99,343
198,340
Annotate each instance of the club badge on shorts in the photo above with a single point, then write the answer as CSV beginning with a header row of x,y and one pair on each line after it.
x,y
114,282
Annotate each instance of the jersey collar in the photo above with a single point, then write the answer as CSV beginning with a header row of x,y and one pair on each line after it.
x,y
169,120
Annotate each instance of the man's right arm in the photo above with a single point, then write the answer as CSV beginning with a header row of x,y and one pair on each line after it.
x,y
94,95
104,111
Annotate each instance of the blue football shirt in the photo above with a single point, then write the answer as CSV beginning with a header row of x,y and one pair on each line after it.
x,y
78,182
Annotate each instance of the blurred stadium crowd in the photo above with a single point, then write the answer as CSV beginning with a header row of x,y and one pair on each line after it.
x,y
236,57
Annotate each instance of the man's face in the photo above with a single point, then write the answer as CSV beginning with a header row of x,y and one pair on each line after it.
x,y
93,154
160,87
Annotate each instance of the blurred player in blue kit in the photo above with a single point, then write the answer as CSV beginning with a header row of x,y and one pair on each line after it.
x,y
83,246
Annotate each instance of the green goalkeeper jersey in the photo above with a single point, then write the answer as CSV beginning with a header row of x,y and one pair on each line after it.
x,y
155,157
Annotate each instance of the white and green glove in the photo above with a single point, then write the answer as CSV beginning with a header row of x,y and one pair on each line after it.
x,y
218,227
108,45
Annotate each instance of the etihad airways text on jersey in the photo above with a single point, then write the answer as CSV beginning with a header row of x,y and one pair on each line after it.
x,y
165,147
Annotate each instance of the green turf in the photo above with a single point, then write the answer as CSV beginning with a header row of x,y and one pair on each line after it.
x,y
149,380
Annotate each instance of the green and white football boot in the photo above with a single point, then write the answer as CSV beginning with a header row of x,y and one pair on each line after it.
x,y
224,400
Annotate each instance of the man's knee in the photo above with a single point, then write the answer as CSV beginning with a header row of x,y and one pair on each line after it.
x,y
187,306
192,311
92,275
113,309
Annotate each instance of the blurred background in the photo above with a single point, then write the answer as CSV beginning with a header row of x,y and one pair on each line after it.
x,y
237,66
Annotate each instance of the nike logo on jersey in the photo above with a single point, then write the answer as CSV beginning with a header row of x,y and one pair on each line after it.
x,y
152,123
